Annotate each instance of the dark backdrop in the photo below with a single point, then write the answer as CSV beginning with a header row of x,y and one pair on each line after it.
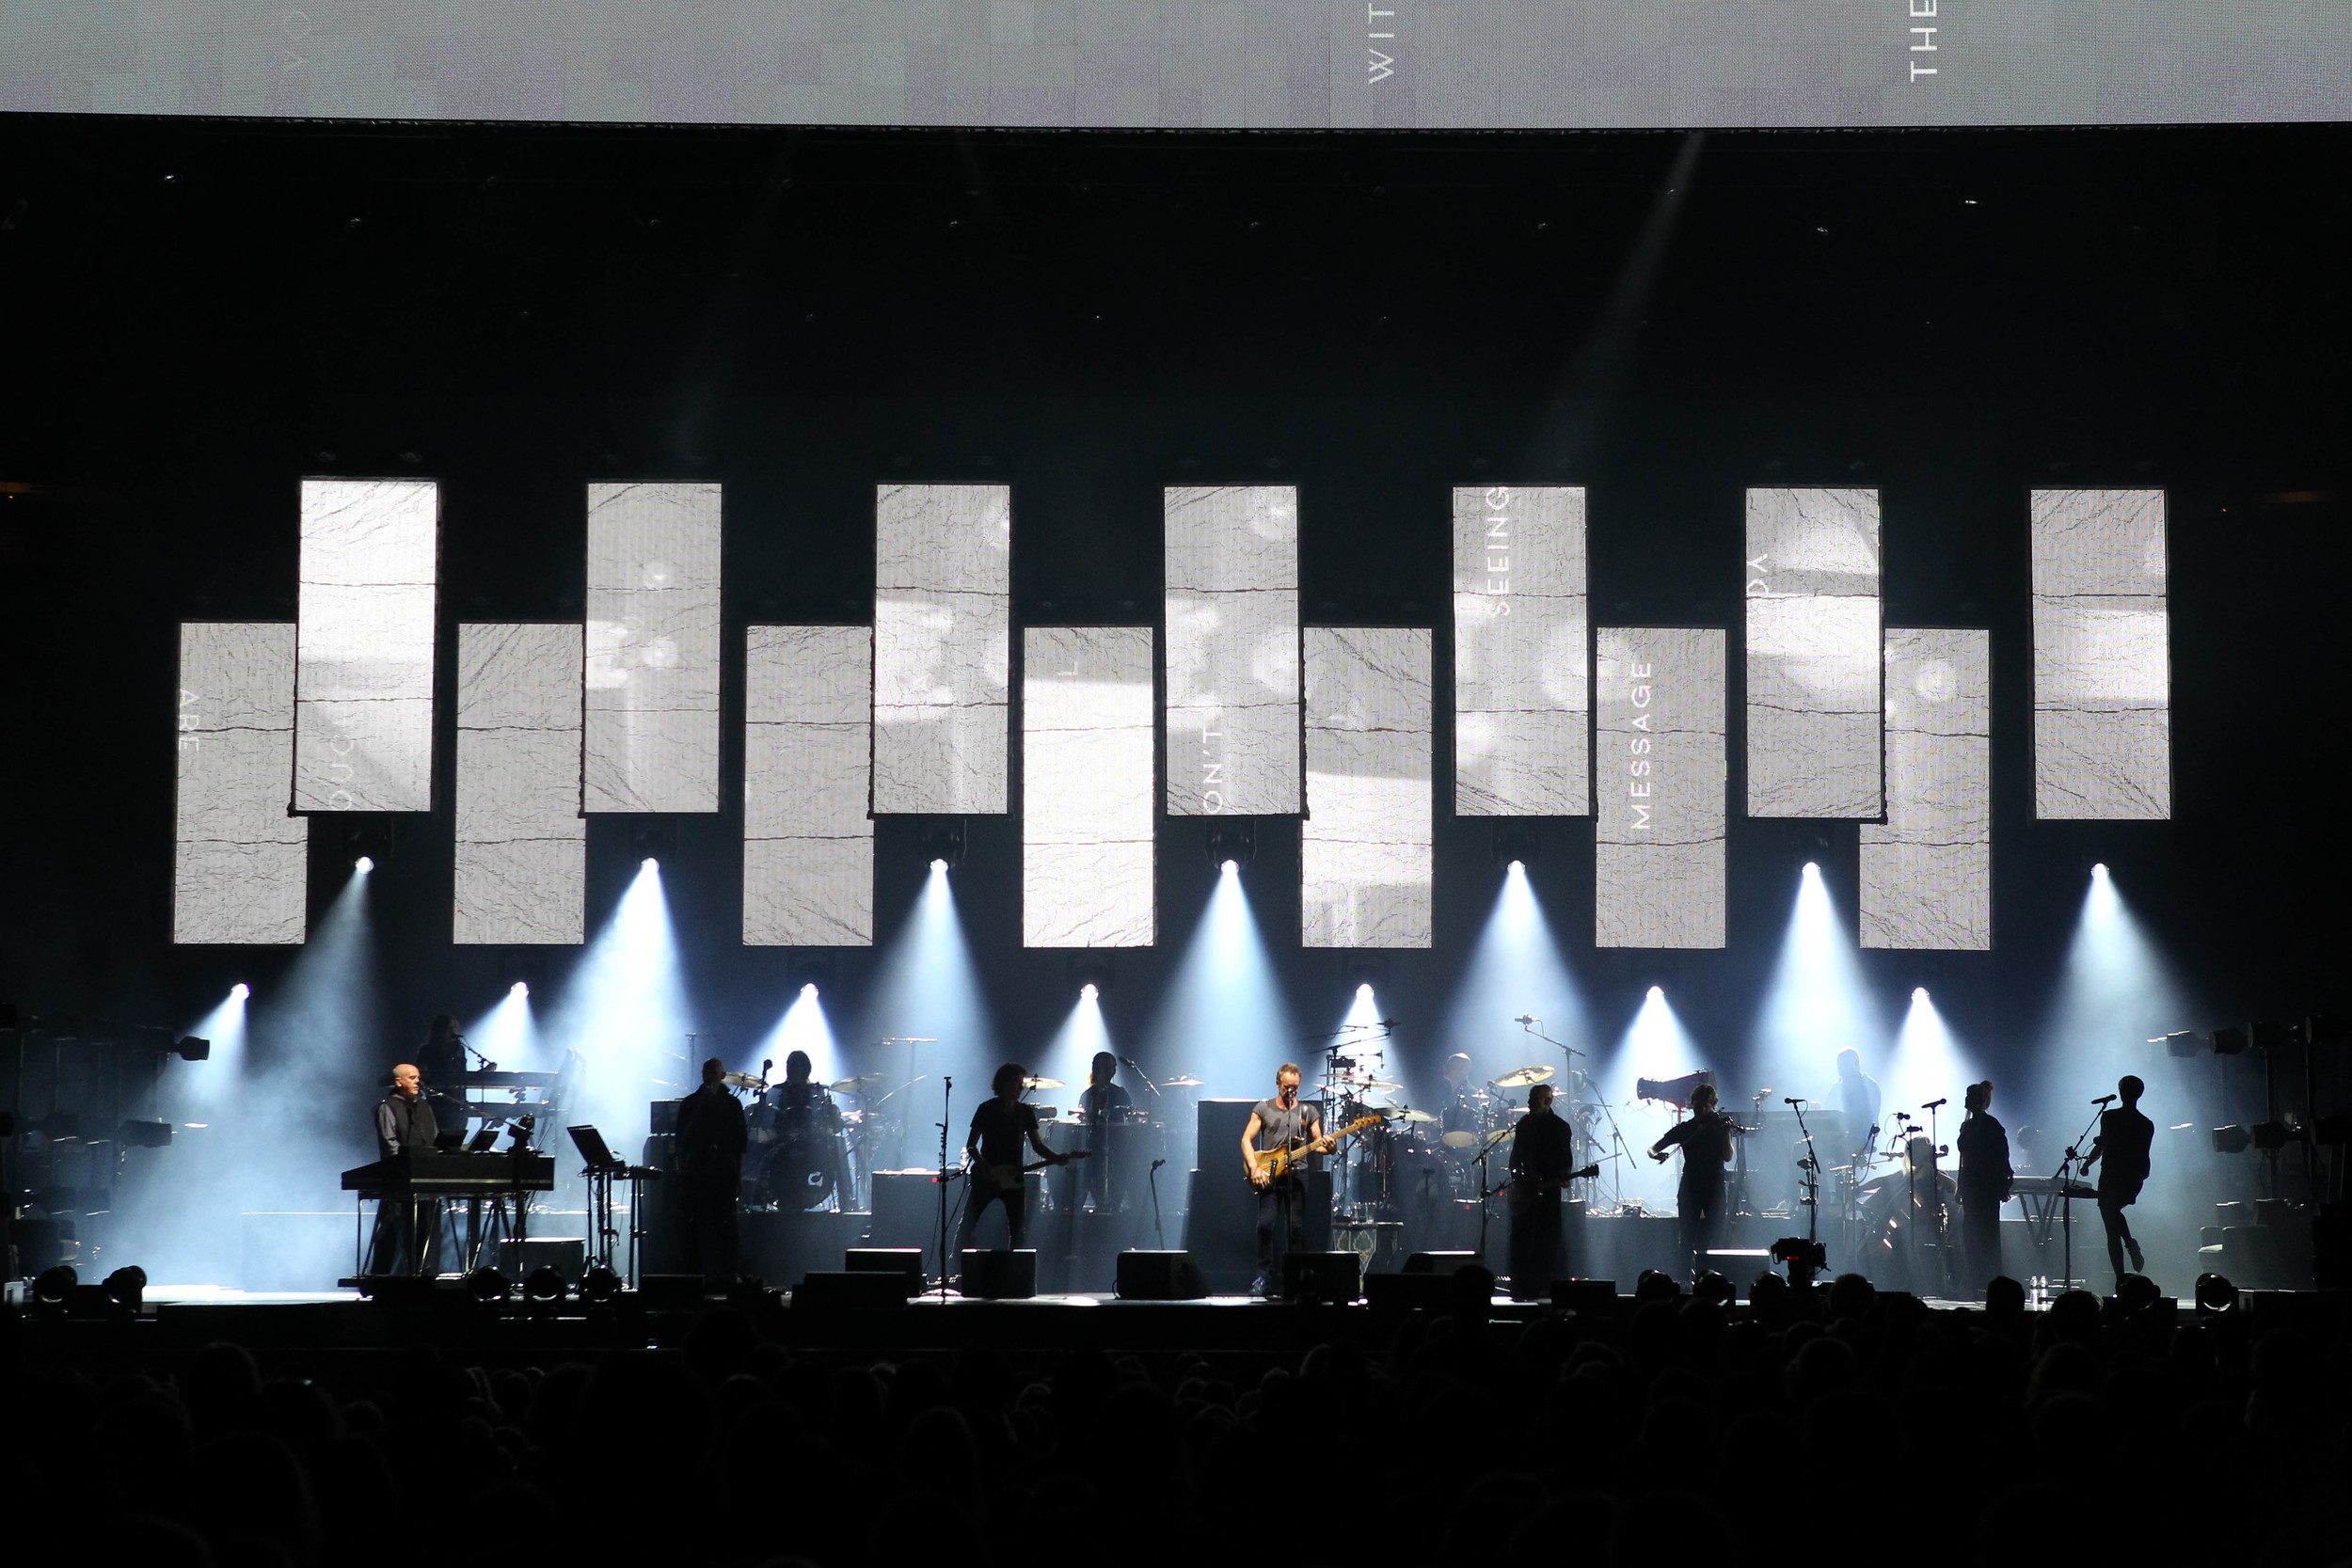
x,y
199,312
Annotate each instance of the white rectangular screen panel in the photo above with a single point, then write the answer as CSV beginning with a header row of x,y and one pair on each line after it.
x,y
1522,710
1657,742
808,845
2102,665
1232,562
1813,654
651,736
521,844
239,861
1366,848
1086,789
942,648
363,672
1927,875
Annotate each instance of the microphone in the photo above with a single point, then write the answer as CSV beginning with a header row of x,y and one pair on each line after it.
x,y
2105,1099
1791,1099
1934,1103
1129,1061
1527,1018
764,1063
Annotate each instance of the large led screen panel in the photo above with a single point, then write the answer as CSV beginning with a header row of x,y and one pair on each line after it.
x,y
650,741
1232,562
2102,664
808,844
1367,847
521,844
1086,789
1659,779
363,660
1522,674
1813,654
943,650
1927,872
239,861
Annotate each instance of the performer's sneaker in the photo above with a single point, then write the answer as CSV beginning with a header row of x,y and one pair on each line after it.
x,y
2139,1263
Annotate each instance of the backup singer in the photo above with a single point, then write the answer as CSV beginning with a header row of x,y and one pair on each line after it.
x,y
2123,1143
1277,1123
992,1150
711,1137
1543,1152
1705,1143
407,1237
1986,1176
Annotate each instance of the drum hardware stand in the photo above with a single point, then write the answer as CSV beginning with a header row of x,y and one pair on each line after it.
x,y
1484,1149
947,1104
1935,1191
1159,1233
1809,1186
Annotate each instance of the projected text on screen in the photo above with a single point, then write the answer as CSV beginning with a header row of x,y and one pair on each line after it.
x,y
363,674
1366,849
1087,808
808,844
1231,562
943,618
240,862
521,871
651,741
1659,785
2101,666
1927,874
1521,674
1813,655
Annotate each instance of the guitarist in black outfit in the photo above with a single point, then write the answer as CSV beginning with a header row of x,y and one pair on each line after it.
x,y
992,1152
1543,1149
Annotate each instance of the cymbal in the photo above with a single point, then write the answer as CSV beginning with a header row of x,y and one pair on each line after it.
x,y
1043,1084
1187,1082
1460,1140
848,1085
1411,1114
1521,1078
741,1081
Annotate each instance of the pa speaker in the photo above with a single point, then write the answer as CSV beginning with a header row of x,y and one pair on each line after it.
x,y
1438,1263
905,1260
1160,1276
1326,1277
1000,1276
850,1291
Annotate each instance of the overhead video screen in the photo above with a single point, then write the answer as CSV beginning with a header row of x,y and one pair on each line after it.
x,y
521,844
1187,63
2102,662
363,657
1086,788
943,652
651,743
1366,849
1659,785
808,844
1811,572
1231,584
1927,872
1522,710
240,861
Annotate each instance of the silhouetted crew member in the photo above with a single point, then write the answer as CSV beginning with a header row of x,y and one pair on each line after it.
x,y
1543,1152
1984,1182
711,1137
407,1237
2121,1153
1280,1122
993,1150
1705,1142
1104,1104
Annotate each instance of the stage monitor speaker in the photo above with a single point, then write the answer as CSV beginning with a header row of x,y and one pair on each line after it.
x,y
1586,1298
670,1292
1438,1263
1000,1273
668,1246
1409,1293
850,1291
1327,1278
905,1260
1160,1276
1221,1226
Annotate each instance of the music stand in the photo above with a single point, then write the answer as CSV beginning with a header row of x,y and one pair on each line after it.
x,y
602,1167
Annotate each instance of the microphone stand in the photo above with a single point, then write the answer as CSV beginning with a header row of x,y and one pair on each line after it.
x,y
1935,1193
1159,1232
2066,1187
1808,1177
947,1099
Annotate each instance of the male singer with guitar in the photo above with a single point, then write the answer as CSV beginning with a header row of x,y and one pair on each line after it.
x,y
1278,1124
992,1152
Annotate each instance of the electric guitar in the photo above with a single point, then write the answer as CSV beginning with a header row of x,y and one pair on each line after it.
x,y
1524,1188
1006,1176
1278,1162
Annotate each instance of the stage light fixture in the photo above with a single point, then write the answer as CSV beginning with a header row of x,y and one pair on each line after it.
x,y
2271,1135
544,1286
143,1134
940,841
2233,1139
649,864
1716,1287
364,865
2215,1294
194,1048
1515,844
2100,870
939,865
518,988
1230,842
1657,993
1088,991
2231,1041
1233,866
2182,1042
488,1285
1364,989
1812,871
1919,993
599,1286
53,1284
239,990
808,988
127,1286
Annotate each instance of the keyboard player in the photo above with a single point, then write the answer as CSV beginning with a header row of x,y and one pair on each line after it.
x,y
407,1229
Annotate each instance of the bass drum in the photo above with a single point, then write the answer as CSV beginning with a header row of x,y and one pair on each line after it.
x,y
799,1172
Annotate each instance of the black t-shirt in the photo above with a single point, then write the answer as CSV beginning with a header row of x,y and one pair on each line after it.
x,y
1544,1146
2124,1139
1983,1153
1103,1103
1002,1130
1706,1141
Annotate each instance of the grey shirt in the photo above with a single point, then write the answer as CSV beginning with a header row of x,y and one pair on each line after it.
x,y
1278,1127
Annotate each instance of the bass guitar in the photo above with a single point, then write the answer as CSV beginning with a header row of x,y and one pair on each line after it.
x,y
1276,1162
1006,1176
1522,1190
